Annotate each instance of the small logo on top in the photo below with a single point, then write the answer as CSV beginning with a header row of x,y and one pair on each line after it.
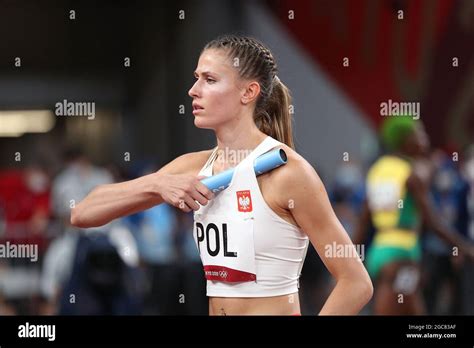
x,y
244,201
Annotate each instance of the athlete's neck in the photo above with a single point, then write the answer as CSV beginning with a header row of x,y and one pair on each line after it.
x,y
235,144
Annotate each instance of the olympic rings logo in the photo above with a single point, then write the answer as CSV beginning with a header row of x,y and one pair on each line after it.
x,y
223,274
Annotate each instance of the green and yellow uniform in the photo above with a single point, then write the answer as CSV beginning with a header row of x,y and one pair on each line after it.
x,y
394,214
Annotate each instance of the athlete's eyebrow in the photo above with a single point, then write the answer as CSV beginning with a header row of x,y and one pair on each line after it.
x,y
206,73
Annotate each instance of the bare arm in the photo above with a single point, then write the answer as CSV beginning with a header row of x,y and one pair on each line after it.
x,y
314,214
108,202
176,183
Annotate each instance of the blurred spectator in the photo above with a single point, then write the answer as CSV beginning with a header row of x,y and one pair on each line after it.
x,y
347,194
24,218
75,181
104,280
108,251
442,269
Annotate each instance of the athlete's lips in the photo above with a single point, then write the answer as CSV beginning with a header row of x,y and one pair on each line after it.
x,y
196,106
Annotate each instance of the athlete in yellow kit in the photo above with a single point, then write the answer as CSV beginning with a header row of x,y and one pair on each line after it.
x,y
397,203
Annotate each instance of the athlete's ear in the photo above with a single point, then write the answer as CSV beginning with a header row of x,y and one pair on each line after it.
x,y
251,92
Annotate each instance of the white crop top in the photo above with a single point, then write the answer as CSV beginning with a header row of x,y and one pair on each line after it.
x,y
247,250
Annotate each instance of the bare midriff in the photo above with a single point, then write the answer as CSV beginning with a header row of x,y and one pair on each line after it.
x,y
276,305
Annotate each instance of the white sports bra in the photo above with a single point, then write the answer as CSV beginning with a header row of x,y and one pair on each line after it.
x,y
247,250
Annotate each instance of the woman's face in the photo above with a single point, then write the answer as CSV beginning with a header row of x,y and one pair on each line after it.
x,y
217,91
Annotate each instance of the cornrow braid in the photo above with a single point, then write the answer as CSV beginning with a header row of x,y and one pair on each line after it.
x,y
252,58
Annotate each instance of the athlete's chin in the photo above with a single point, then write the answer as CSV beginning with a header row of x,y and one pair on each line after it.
x,y
201,122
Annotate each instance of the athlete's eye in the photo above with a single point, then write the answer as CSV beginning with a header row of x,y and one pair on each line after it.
x,y
209,80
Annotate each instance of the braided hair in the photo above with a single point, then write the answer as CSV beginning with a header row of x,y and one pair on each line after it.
x,y
253,60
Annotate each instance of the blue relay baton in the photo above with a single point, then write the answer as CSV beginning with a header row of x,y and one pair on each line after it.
x,y
263,163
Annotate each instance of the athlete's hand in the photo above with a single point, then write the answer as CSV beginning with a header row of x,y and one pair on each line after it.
x,y
183,190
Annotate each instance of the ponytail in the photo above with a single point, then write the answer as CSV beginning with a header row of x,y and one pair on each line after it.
x,y
273,117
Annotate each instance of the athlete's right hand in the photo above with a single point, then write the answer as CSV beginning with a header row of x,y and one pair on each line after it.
x,y
183,190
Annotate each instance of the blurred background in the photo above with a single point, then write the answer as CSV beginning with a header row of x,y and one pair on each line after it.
x,y
134,62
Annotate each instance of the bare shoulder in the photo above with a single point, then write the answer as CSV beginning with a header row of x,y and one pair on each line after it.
x,y
188,163
296,170
296,177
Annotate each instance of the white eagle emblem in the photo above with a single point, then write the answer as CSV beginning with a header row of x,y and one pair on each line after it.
x,y
244,202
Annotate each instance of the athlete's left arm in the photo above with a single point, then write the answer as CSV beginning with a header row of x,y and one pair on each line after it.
x,y
306,198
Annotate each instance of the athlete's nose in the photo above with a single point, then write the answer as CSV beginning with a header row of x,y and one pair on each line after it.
x,y
193,93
